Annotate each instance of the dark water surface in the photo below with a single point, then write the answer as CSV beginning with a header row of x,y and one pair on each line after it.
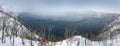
x,y
86,25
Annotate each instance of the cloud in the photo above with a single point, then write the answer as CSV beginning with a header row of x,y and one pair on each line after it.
x,y
61,6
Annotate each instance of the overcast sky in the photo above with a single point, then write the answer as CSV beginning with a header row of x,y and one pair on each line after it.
x,y
61,6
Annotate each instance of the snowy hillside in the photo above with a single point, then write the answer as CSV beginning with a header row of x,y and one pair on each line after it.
x,y
112,30
17,41
13,33
80,41
110,36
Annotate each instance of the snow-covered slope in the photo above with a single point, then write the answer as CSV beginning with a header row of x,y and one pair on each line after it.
x,y
13,33
110,36
80,41
17,41
112,30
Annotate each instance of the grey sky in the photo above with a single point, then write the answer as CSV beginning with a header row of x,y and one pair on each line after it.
x,y
61,6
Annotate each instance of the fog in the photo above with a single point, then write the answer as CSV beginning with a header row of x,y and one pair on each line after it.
x,y
62,9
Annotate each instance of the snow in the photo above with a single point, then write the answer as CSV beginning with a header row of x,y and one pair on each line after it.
x,y
17,42
85,42
71,41
9,26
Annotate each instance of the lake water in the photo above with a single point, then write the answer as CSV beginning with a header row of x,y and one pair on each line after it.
x,y
86,25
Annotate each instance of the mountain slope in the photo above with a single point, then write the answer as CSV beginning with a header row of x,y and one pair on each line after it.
x,y
112,30
13,33
110,36
81,41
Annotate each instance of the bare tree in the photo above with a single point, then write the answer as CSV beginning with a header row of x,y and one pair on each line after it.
x,y
14,30
49,29
31,39
3,28
22,35
78,43
66,32
31,34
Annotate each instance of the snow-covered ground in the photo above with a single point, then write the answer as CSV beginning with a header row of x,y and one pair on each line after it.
x,y
17,42
80,41
13,33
